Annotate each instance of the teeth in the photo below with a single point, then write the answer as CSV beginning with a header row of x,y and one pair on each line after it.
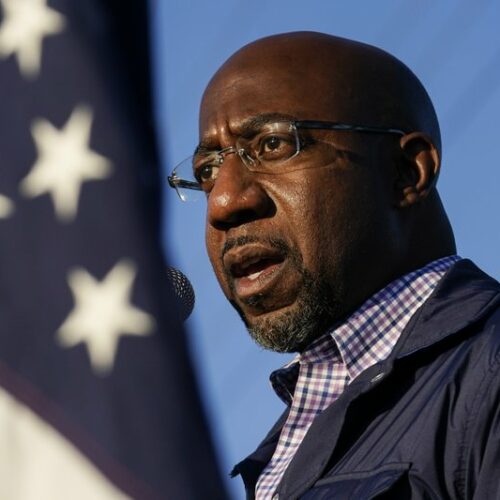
x,y
254,276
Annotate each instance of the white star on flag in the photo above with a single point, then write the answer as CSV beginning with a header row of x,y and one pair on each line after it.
x,y
102,314
6,207
64,162
25,24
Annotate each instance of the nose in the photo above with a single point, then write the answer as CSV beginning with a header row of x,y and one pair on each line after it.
x,y
237,196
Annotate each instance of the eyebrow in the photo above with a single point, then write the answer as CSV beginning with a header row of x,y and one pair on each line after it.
x,y
252,124
246,129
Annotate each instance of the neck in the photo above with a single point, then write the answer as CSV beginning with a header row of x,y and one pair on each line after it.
x,y
431,234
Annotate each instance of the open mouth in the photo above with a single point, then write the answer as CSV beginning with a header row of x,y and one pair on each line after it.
x,y
253,269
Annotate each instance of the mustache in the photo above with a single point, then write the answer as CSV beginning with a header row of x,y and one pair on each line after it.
x,y
273,242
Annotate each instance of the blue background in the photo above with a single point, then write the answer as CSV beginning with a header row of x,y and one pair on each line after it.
x,y
454,48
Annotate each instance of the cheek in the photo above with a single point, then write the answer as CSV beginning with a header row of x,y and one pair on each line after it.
x,y
340,214
214,245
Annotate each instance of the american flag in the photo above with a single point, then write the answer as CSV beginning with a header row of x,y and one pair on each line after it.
x,y
97,397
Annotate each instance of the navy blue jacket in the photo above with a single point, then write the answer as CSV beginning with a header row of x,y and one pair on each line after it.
x,y
422,424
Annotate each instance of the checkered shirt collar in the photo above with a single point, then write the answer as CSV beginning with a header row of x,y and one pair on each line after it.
x,y
371,332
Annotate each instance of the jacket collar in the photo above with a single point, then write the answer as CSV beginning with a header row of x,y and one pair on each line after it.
x,y
464,295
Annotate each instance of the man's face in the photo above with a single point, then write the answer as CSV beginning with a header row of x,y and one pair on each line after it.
x,y
296,251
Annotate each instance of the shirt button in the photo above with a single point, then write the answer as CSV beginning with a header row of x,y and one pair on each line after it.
x,y
377,377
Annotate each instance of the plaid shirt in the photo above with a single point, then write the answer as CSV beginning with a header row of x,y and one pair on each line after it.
x,y
319,375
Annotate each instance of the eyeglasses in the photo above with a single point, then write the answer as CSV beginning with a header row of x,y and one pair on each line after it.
x,y
267,149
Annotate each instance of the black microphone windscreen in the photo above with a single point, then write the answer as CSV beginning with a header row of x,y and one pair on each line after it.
x,y
183,290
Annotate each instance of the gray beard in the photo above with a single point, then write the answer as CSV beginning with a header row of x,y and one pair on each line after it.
x,y
316,309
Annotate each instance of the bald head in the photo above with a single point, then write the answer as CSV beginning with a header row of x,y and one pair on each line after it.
x,y
349,81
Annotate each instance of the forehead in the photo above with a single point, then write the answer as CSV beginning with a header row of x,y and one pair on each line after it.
x,y
235,97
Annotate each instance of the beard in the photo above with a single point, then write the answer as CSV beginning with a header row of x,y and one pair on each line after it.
x,y
316,308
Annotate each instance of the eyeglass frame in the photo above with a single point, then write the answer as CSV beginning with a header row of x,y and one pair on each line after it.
x,y
177,182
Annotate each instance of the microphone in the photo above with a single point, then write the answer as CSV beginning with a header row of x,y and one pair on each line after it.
x,y
183,291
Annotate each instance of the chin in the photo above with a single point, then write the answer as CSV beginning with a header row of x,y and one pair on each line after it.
x,y
292,328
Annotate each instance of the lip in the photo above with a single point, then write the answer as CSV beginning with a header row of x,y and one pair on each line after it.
x,y
253,268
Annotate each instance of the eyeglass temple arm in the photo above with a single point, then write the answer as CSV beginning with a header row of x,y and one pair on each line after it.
x,y
344,126
175,182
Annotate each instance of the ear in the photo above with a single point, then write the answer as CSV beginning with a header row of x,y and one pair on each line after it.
x,y
418,169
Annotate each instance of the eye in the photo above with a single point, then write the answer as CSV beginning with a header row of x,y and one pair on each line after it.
x,y
206,174
276,147
271,143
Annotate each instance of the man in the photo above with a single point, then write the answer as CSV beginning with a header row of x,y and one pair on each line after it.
x,y
319,158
